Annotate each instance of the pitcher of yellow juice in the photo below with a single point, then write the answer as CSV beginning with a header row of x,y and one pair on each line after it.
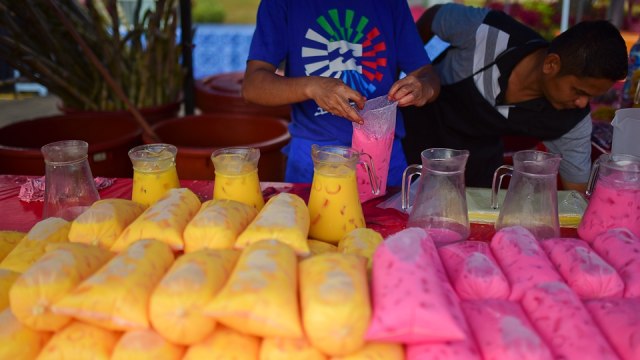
x,y
236,170
334,203
154,172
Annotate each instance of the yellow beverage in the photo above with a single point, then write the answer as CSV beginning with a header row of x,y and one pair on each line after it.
x,y
334,205
148,187
154,172
244,188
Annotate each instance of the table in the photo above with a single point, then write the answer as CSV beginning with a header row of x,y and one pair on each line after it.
x,y
18,215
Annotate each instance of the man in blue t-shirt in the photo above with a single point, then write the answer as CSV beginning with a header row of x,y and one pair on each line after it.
x,y
336,55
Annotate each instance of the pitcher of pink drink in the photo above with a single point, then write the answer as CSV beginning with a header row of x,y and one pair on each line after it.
x,y
375,137
441,203
532,195
615,200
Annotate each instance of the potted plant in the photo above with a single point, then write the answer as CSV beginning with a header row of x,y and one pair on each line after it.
x,y
94,60
142,56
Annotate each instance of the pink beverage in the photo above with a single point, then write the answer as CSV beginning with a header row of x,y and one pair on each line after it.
x,y
611,206
444,236
442,231
379,148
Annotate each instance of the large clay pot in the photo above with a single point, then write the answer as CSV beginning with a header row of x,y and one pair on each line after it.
x,y
110,138
153,115
197,136
222,93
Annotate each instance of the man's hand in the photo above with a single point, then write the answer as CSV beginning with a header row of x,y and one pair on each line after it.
x,y
263,86
335,96
417,88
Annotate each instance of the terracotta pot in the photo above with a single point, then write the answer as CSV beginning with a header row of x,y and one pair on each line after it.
x,y
110,137
222,93
197,136
153,115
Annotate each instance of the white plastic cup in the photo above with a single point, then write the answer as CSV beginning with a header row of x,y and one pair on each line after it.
x,y
626,130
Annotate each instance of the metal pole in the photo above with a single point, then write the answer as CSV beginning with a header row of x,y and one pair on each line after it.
x,y
564,20
187,55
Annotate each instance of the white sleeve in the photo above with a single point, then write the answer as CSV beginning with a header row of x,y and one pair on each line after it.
x,y
575,148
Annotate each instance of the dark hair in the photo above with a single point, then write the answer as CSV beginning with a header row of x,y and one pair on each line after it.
x,y
592,49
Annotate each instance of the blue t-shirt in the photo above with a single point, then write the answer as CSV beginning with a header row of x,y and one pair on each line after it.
x,y
366,43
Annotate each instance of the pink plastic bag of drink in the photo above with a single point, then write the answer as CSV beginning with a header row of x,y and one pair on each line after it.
x,y
375,137
522,260
503,331
564,323
473,271
621,248
412,300
619,320
446,350
583,269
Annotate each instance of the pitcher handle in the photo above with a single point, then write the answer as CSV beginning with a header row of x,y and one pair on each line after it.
x,y
593,176
371,171
498,175
407,174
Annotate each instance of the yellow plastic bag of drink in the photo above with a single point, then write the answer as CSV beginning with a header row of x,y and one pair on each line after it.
x,y
49,279
9,240
165,220
376,351
225,343
7,278
176,307
18,341
146,344
320,247
334,297
260,297
104,222
289,349
79,340
116,296
361,241
33,245
284,217
217,225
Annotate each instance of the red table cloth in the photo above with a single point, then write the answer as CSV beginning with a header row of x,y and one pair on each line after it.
x,y
19,215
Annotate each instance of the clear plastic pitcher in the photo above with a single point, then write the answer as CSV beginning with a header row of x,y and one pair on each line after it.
x,y
614,196
154,172
334,205
69,185
532,195
626,128
441,205
375,137
236,170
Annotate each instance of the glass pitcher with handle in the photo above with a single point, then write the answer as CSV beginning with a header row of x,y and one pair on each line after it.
x,y
441,204
334,204
236,170
614,196
532,196
69,185
154,172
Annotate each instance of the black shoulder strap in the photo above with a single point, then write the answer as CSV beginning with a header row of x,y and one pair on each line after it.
x,y
507,51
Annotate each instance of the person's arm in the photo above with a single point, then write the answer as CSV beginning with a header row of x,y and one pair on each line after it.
x,y
425,21
261,85
575,147
417,88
